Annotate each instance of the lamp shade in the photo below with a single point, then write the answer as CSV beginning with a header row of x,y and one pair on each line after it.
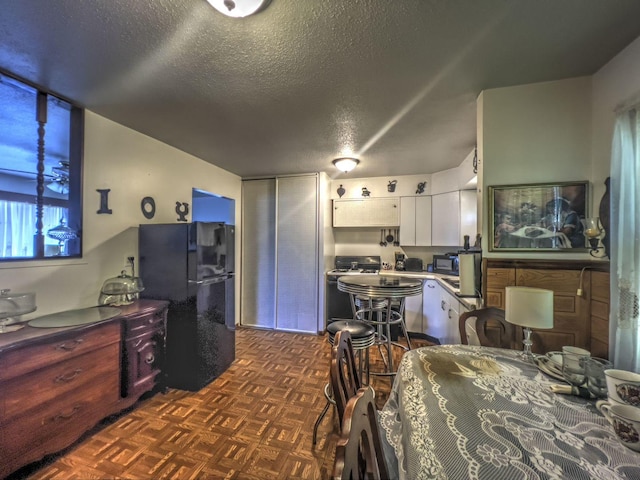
x,y
529,307
346,164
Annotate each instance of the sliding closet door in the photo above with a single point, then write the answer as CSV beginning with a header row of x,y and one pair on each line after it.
x,y
257,299
297,253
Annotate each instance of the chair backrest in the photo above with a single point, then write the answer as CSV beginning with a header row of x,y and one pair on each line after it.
x,y
345,380
492,329
359,450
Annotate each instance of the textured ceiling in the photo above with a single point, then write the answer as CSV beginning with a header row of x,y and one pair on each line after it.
x,y
304,81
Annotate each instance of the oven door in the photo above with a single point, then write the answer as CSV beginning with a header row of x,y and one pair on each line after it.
x,y
338,303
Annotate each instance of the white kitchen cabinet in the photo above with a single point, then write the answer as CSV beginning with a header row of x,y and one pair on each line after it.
x,y
366,212
469,214
415,221
454,215
445,219
441,311
432,311
413,313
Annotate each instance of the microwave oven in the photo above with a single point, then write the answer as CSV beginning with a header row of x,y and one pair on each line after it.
x,y
446,264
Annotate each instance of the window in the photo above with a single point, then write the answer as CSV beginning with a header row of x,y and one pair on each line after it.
x,y
40,173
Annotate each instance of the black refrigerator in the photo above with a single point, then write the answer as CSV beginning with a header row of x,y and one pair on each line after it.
x,y
192,266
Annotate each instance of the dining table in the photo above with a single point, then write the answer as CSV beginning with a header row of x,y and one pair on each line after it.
x,y
472,412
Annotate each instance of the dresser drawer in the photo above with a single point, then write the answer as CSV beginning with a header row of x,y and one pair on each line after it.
x,y
26,359
58,423
140,324
58,380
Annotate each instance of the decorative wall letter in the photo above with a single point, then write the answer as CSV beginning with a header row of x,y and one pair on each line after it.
x,y
104,201
148,206
182,209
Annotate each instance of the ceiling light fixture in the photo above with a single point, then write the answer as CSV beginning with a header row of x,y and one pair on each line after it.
x,y
238,8
346,164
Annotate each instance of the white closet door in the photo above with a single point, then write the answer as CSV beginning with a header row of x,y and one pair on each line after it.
x,y
257,300
297,254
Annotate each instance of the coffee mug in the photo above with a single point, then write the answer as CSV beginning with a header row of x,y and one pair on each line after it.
x,y
623,386
625,420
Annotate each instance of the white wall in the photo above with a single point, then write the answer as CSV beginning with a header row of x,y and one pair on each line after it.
x,y
133,166
618,82
535,133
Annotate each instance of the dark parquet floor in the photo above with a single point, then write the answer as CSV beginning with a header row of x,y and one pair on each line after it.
x,y
253,422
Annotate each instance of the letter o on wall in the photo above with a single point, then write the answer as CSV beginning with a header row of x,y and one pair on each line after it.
x,y
148,207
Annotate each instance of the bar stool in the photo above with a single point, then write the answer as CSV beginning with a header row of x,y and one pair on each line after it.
x,y
362,337
379,313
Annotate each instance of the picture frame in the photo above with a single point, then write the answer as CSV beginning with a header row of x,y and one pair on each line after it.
x,y
538,217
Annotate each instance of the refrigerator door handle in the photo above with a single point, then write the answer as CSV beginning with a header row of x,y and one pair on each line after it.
x,y
208,281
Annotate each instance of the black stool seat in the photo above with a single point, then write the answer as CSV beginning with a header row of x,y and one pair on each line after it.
x,y
362,334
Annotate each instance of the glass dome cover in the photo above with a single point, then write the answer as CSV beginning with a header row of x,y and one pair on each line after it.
x,y
16,304
123,284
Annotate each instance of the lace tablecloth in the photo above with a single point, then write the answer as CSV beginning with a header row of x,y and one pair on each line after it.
x,y
465,412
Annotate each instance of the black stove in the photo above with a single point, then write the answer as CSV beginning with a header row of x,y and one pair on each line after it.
x,y
339,303
354,265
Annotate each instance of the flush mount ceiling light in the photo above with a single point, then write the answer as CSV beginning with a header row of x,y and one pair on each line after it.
x,y
346,164
238,8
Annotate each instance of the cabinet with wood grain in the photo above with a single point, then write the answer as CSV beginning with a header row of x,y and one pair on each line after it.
x,y
575,315
54,390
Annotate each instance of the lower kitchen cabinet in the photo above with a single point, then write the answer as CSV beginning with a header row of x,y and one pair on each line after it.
x,y
413,313
441,311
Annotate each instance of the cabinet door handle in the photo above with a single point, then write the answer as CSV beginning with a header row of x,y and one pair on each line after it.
x,y
430,285
149,359
68,377
449,314
70,346
62,416
442,305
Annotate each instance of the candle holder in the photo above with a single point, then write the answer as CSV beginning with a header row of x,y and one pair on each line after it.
x,y
593,232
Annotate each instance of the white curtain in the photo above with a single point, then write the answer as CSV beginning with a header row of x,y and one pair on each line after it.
x,y
18,230
624,340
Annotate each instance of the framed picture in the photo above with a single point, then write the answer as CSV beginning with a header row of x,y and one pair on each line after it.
x,y
538,216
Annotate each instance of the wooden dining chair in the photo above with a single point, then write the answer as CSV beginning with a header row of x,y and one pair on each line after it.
x,y
345,380
359,452
490,325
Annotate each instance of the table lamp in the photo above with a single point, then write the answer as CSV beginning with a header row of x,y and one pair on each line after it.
x,y
530,308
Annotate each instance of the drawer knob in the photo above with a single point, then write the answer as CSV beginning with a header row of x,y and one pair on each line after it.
x,y
149,358
71,346
68,377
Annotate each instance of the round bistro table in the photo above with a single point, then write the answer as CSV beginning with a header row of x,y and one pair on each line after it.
x,y
375,288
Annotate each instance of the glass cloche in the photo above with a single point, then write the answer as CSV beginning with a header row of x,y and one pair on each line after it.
x,y
120,290
12,307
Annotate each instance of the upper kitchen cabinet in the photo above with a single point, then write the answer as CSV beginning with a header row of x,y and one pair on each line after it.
x,y
453,215
415,221
366,212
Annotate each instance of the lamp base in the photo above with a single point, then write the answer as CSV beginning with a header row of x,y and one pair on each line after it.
x,y
527,354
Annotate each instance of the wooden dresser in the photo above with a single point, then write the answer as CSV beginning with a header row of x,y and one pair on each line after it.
x,y
57,383
579,320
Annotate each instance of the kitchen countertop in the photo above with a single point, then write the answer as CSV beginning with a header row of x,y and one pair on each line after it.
x,y
469,302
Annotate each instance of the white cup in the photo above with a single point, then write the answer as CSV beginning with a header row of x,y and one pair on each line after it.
x,y
625,420
623,386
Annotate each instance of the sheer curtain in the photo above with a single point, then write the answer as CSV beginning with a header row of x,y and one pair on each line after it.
x,y
624,340
17,232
